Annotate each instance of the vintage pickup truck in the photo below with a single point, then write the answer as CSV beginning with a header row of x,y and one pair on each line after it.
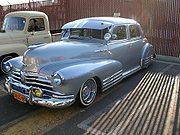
x,y
21,29
94,55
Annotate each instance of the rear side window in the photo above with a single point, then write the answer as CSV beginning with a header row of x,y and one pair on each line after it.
x,y
134,31
36,24
120,32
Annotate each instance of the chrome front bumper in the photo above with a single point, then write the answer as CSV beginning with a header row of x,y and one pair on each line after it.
x,y
52,99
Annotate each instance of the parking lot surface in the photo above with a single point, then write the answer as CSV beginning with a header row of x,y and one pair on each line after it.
x,y
147,102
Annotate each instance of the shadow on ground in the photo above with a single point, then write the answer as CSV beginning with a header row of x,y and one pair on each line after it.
x,y
148,109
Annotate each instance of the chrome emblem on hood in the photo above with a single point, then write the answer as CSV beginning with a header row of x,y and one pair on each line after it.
x,y
27,65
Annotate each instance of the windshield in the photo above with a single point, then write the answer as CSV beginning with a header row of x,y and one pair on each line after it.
x,y
14,23
84,33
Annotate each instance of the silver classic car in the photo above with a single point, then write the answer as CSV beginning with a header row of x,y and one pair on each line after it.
x,y
93,55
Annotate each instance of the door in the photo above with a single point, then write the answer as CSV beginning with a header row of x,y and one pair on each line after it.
x,y
37,31
137,44
119,47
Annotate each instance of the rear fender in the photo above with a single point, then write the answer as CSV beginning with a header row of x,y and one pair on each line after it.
x,y
147,53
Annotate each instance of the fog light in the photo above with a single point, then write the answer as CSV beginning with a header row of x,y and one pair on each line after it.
x,y
38,92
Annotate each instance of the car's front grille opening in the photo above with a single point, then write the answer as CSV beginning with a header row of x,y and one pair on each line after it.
x,y
33,79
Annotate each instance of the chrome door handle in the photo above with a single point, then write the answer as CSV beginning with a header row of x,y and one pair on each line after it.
x,y
104,50
97,51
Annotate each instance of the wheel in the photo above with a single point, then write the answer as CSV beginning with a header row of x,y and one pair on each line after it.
x,y
88,92
3,60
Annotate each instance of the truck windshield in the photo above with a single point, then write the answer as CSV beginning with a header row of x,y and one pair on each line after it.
x,y
84,33
14,23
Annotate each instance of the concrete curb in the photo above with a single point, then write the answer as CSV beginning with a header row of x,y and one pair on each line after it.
x,y
168,58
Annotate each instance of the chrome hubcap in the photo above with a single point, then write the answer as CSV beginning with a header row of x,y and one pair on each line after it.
x,y
88,92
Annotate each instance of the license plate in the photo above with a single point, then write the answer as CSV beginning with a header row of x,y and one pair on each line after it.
x,y
19,97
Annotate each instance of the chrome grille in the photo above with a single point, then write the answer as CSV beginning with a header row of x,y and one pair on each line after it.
x,y
33,79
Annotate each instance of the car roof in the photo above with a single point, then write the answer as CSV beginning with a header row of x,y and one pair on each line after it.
x,y
98,22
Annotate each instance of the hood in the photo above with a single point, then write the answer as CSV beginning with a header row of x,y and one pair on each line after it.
x,y
4,38
62,52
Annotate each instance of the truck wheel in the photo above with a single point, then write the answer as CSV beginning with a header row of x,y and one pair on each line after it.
x,y
88,92
3,60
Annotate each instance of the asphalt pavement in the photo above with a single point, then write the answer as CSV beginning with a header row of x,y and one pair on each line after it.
x,y
147,102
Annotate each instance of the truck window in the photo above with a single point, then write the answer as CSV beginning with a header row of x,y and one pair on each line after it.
x,y
36,24
14,23
134,31
120,31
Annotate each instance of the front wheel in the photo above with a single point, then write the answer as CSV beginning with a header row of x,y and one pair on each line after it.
x,y
88,92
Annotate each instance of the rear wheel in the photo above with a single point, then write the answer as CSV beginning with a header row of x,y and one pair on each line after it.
x,y
88,92
2,61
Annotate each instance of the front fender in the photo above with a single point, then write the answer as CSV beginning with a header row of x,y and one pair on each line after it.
x,y
77,73
16,62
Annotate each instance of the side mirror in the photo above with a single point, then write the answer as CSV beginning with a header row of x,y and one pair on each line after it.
x,y
107,36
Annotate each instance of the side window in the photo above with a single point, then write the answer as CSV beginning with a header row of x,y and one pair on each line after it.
x,y
134,31
36,24
120,31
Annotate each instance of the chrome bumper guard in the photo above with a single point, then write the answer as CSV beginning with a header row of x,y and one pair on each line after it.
x,y
56,100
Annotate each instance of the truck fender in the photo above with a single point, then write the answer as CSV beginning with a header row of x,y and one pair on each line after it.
x,y
17,48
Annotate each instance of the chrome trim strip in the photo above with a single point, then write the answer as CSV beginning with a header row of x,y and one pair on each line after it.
x,y
15,76
124,75
38,79
147,57
15,72
147,62
108,81
130,72
34,75
112,82
35,83
14,79
112,76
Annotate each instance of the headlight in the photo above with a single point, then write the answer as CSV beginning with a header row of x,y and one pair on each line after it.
x,y
58,79
7,67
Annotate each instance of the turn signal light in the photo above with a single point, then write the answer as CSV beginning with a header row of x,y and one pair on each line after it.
x,y
38,93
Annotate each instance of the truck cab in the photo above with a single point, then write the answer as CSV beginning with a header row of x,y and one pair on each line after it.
x,y
21,29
